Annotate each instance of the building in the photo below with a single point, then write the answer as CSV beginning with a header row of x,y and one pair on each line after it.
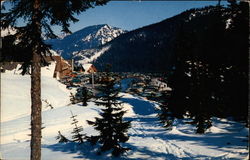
x,y
162,86
88,68
63,67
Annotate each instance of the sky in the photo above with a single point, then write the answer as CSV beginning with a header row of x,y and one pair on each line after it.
x,y
130,15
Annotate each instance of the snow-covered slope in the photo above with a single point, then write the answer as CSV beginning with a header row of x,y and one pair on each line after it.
x,y
15,93
89,55
86,38
148,140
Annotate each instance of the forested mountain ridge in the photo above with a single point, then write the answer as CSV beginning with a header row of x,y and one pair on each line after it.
x,y
152,48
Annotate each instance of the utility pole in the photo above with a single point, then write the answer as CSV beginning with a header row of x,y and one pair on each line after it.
x,y
92,73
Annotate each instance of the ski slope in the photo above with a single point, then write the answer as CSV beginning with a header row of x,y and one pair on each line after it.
x,y
148,140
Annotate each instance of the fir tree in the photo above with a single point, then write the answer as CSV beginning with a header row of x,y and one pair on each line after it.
x,y
61,138
112,129
85,96
72,98
77,136
165,115
236,70
210,77
203,123
179,79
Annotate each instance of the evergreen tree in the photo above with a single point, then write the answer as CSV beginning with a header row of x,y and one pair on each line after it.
x,y
203,123
200,101
210,77
77,136
112,129
38,16
85,96
179,79
165,115
236,69
72,98
61,138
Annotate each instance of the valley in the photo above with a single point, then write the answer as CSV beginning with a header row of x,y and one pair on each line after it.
x,y
148,139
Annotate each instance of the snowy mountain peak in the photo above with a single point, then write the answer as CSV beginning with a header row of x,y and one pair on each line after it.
x,y
103,34
86,38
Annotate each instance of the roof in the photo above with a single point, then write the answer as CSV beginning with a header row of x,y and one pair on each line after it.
x,y
8,31
86,66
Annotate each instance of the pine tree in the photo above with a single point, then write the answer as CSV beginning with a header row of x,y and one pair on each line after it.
x,y
85,96
38,16
200,101
190,82
112,129
236,72
72,98
179,79
210,78
61,138
203,123
77,136
165,115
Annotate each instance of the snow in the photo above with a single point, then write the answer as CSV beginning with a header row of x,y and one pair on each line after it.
x,y
54,53
86,67
228,23
94,56
15,90
126,83
148,140
87,38
8,31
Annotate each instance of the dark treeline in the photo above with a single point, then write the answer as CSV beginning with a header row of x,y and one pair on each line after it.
x,y
152,48
210,76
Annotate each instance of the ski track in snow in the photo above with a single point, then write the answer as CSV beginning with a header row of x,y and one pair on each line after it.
x,y
148,140
140,124
147,131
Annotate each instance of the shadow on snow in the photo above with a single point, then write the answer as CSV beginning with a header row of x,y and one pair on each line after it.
x,y
151,128
140,107
87,151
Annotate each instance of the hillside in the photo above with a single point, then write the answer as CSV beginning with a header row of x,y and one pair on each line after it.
x,y
152,48
148,140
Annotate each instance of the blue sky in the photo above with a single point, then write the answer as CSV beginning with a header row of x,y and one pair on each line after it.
x,y
131,15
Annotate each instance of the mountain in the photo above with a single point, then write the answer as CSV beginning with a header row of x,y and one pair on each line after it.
x,y
152,48
86,38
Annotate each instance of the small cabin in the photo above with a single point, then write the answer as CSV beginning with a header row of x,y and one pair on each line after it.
x,y
88,68
162,86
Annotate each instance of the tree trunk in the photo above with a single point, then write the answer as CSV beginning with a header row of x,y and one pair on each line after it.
x,y
36,118
36,104
219,1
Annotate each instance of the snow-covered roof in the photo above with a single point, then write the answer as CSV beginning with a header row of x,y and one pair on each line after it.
x,y
8,31
53,52
86,66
